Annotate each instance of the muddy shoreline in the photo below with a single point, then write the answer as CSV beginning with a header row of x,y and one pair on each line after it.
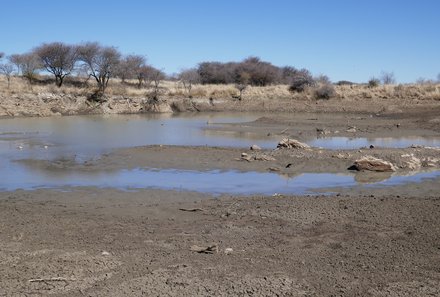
x,y
361,241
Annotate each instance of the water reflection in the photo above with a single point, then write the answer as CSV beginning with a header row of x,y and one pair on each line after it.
x,y
212,182
355,143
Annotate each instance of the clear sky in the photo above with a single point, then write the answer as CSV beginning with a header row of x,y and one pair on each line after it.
x,y
352,40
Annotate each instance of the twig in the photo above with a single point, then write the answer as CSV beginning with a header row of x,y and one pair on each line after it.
x,y
282,132
191,209
52,279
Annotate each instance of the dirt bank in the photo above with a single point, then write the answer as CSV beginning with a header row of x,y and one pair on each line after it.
x,y
54,104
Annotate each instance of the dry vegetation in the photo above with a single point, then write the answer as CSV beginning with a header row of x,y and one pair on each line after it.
x,y
176,90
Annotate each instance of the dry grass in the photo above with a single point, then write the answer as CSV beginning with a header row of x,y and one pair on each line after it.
x,y
171,89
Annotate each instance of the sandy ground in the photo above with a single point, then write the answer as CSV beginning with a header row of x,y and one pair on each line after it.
x,y
358,242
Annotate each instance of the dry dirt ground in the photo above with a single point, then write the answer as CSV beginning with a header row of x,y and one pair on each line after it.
x,y
108,242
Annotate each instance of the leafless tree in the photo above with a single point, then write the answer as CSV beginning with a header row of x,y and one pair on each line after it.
x,y
101,62
387,78
7,70
30,64
129,66
189,77
156,77
147,74
57,58
16,60
323,79
2,55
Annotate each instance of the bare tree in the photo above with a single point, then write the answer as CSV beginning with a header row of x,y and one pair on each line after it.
x,y
388,78
129,67
30,64
156,77
16,60
57,58
7,70
101,62
188,77
323,79
2,55
147,75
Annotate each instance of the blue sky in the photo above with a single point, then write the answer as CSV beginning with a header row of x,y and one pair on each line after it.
x,y
351,40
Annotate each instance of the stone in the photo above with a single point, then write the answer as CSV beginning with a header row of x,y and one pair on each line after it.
x,y
292,143
371,163
228,251
255,148
264,158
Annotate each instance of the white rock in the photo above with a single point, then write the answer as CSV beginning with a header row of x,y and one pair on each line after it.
x,y
228,251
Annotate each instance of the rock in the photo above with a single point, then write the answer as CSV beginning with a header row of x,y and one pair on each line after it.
x,y
264,158
292,143
371,163
105,253
255,148
244,155
411,162
351,130
228,251
273,169
210,249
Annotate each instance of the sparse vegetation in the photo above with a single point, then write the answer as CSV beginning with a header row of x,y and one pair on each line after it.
x,y
72,66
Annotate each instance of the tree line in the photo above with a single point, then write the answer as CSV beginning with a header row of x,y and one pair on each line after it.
x,y
104,62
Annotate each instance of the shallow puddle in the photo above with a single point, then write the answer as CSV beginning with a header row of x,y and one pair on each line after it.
x,y
358,142
212,182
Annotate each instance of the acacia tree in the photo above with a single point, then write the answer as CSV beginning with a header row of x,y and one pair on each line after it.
x,y
7,70
101,62
188,77
57,58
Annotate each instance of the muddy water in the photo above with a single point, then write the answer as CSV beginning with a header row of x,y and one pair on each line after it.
x,y
213,182
354,143
84,137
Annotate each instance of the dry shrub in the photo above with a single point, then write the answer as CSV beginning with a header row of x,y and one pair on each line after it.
x,y
325,91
